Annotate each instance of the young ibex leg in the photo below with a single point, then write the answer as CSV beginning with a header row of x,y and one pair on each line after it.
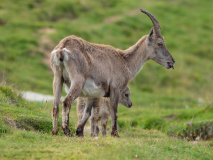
x,y
114,98
87,113
81,104
104,121
57,90
74,91
94,118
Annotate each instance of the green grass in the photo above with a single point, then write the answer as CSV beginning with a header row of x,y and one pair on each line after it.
x,y
145,133
163,100
138,145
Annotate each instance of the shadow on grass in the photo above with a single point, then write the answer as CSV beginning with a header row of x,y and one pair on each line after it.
x,y
33,124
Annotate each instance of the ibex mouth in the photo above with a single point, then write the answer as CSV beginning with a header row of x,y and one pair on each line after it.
x,y
171,65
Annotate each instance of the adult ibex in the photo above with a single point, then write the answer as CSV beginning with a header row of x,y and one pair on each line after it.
x,y
95,70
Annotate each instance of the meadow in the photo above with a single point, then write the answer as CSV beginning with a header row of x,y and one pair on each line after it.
x,y
171,108
25,134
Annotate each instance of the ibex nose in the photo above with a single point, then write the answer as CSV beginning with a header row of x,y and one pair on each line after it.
x,y
130,105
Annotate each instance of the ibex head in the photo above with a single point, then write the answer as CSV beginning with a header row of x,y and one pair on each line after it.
x,y
124,98
156,45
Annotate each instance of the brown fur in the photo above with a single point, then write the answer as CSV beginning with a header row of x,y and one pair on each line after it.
x,y
110,70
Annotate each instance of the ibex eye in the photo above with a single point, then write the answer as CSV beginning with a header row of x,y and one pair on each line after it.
x,y
159,44
126,95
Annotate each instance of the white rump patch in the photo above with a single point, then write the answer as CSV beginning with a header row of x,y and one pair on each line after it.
x,y
66,51
56,60
92,90
53,52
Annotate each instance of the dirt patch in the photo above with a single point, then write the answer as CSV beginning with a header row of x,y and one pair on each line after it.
x,y
47,30
2,23
114,19
10,122
46,45
170,117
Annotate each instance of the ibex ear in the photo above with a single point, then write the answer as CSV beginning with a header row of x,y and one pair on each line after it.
x,y
150,34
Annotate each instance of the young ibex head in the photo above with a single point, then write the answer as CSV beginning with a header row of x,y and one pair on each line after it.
x,y
156,45
124,98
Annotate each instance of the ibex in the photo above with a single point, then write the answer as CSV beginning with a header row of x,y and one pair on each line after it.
x,y
95,70
102,111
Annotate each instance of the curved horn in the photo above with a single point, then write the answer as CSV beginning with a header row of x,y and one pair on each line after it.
x,y
154,22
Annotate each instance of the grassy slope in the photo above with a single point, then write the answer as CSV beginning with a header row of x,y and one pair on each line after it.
x,y
141,144
184,93
25,134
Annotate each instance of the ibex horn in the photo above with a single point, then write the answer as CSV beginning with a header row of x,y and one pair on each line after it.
x,y
155,22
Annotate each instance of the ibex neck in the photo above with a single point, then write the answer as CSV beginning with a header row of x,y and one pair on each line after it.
x,y
136,56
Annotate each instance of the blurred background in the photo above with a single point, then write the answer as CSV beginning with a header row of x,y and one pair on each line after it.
x,y
167,100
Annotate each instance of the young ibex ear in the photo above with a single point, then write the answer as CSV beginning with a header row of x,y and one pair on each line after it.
x,y
150,35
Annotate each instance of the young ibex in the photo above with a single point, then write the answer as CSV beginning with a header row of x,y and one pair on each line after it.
x,y
102,111
94,71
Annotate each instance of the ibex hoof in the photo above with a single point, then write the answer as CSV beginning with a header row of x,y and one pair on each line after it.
x,y
115,134
79,132
54,133
93,135
67,132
